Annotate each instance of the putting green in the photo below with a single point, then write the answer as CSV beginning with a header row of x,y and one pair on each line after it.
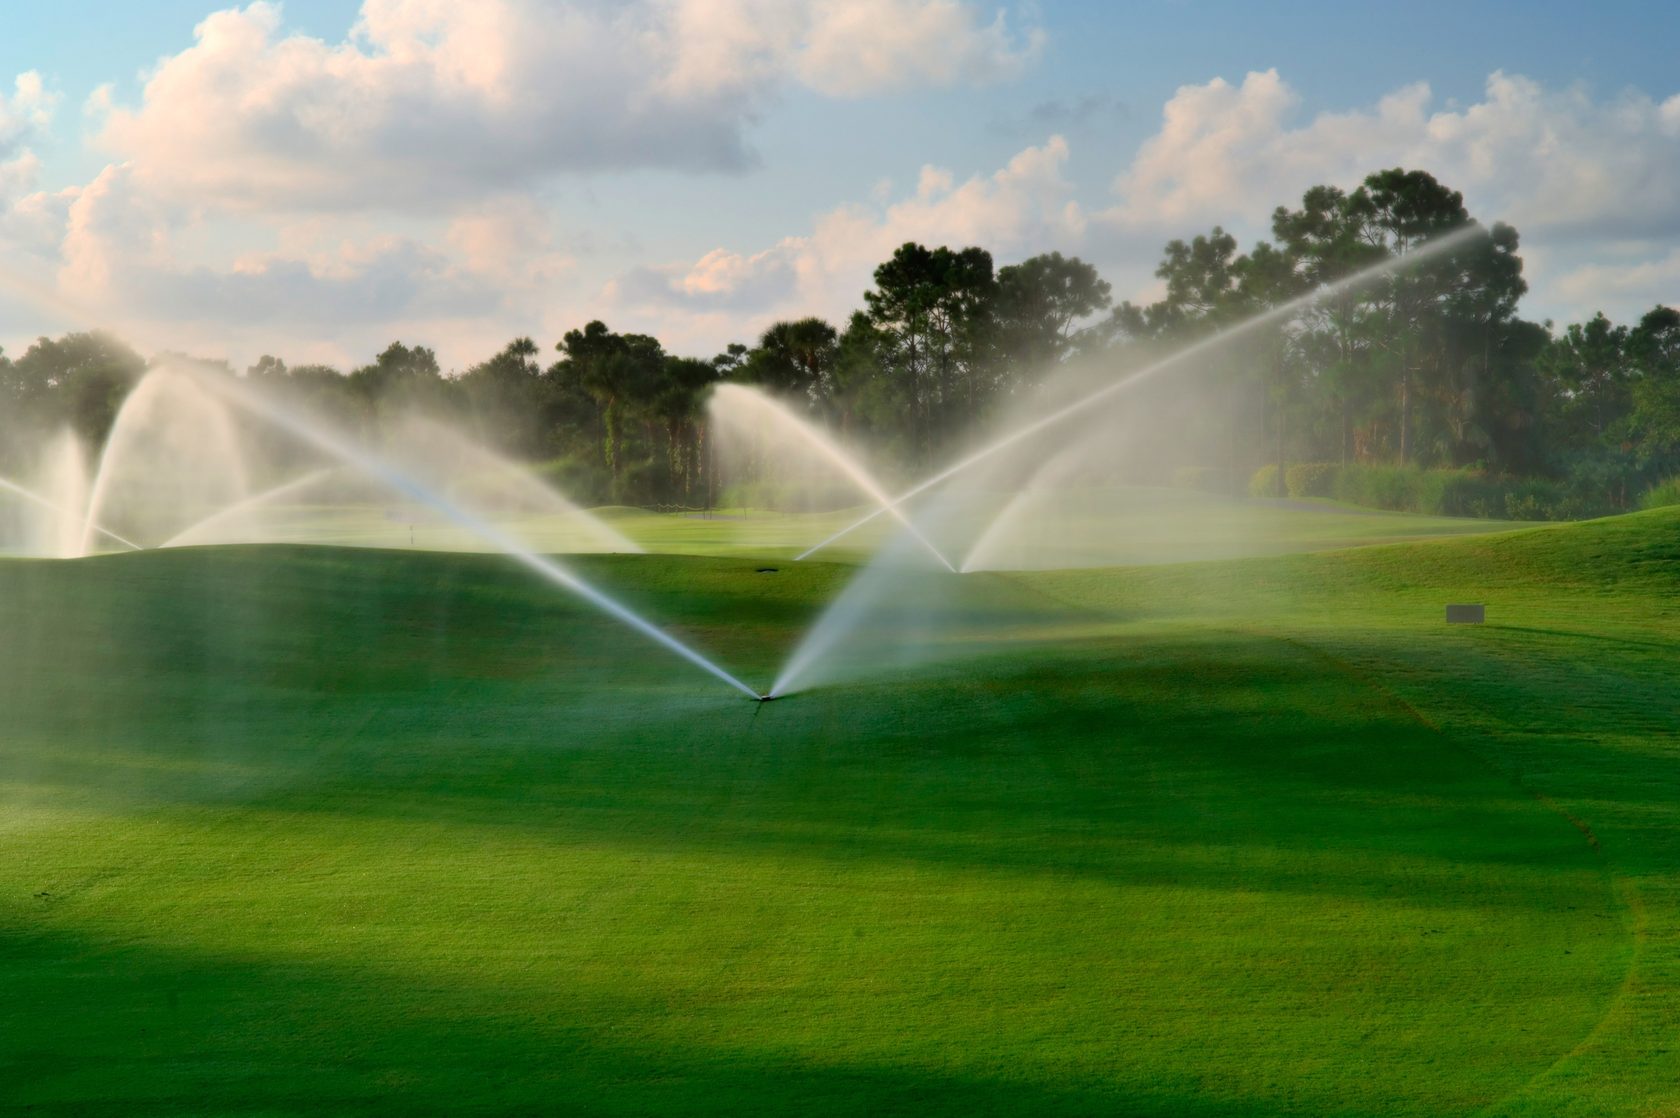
x,y
288,830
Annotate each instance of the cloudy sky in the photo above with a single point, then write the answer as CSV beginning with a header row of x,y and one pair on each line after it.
x,y
315,178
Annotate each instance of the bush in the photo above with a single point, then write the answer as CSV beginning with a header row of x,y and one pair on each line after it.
x,y
1378,487
1535,499
1459,492
580,479
1661,495
1311,479
1462,492
1208,479
1264,482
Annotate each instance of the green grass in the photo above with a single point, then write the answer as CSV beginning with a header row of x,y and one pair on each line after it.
x,y
1083,527
290,830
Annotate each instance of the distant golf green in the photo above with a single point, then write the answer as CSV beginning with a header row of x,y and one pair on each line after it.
x,y
301,830
1093,526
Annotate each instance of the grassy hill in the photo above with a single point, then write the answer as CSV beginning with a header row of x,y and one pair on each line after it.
x,y
285,830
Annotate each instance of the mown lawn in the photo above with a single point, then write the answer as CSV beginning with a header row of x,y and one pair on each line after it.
x,y
291,830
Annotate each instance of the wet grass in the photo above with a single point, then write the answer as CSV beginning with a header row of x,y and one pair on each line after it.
x,y
1094,526
302,830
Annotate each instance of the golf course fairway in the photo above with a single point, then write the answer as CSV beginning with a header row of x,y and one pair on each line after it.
x,y
303,830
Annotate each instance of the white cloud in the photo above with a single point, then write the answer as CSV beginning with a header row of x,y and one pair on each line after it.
x,y
1633,286
119,251
25,114
430,101
240,217
112,254
1552,162
854,47
1024,208
509,240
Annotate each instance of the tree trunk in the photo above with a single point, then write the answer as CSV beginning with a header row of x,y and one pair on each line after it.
x,y
1282,420
675,483
1405,417
610,446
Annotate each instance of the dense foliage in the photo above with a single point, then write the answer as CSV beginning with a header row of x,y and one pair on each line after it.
x,y
1428,367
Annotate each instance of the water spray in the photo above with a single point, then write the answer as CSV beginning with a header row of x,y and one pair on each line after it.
x,y
376,467
737,395
35,498
284,489
1277,313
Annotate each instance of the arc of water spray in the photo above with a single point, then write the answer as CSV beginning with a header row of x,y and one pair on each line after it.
x,y
847,464
378,468
285,488
1281,311
31,495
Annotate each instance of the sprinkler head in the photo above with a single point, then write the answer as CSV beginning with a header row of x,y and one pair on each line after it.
x,y
766,698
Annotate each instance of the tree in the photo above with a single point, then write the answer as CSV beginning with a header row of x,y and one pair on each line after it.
x,y
506,396
1039,302
1201,277
401,378
79,380
1326,242
1654,350
794,359
1590,371
678,403
933,307
1266,278
618,371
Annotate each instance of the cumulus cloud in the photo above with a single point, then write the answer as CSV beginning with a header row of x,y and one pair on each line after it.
x,y
1025,207
120,250
430,101
855,47
25,113
279,145
1633,287
1587,181
1556,162
31,220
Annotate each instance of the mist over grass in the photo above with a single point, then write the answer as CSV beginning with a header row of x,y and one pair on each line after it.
x,y
1222,839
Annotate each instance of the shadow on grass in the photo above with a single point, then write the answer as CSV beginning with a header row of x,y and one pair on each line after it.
x,y
1671,647
450,690
96,1029
450,700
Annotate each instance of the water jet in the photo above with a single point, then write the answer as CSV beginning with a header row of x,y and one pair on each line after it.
x,y
1081,406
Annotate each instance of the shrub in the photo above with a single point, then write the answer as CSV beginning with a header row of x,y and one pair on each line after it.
x,y
1661,495
580,479
1461,493
1208,479
1449,492
1378,487
1311,479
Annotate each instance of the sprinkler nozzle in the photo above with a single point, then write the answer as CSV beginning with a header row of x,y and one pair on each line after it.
x,y
765,698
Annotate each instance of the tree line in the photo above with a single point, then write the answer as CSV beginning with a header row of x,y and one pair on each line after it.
x,y
1427,365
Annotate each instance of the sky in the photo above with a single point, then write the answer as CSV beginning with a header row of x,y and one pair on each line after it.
x,y
317,178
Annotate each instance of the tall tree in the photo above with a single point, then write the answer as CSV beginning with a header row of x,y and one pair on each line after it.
x,y
1654,349
794,359
1039,304
79,380
620,372
933,306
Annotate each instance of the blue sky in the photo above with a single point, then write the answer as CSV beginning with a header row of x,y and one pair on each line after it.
x,y
316,178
